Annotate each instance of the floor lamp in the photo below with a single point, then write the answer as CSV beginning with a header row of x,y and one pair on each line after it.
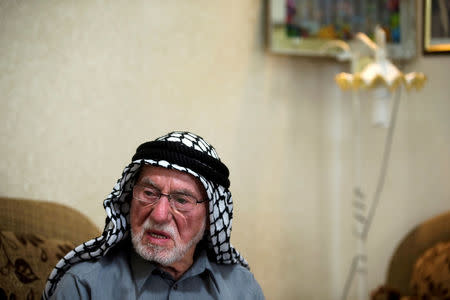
x,y
384,78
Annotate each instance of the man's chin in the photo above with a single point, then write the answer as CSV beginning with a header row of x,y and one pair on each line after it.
x,y
155,253
164,255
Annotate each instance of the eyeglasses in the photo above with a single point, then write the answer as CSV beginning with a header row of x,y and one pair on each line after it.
x,y
149,195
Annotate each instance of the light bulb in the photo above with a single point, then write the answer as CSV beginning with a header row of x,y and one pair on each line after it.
x,y
381,107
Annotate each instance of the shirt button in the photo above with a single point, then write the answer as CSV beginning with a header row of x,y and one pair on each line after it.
x,y
175,286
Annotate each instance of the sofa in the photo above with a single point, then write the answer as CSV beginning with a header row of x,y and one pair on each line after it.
x,y
34,236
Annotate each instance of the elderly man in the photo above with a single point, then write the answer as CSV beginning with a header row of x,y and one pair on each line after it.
x,y
167,233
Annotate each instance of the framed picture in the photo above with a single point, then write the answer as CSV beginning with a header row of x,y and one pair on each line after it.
x,y
436,31
304,27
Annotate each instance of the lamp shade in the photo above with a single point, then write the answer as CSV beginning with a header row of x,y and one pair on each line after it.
x,y
375,74
381,71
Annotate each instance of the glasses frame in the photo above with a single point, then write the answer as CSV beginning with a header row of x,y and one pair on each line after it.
x,y
169,198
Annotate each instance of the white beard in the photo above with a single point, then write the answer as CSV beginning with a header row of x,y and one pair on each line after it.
x,y
159,254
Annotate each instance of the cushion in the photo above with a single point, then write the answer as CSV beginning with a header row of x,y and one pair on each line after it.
x,y
431,274
385,293
26,260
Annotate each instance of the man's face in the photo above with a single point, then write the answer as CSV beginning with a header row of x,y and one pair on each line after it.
x,y
160,233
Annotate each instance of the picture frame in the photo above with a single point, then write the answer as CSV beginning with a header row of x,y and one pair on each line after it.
x,y
436,27
317,22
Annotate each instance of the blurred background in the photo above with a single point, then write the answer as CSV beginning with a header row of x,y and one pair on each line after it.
x,y
83,83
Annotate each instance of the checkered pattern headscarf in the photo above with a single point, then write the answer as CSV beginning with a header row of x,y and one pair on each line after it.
x,y
182,151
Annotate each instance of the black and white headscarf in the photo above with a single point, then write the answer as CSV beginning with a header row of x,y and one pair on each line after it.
x,y
182,151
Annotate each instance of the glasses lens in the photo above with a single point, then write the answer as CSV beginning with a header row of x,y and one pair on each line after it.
x,y
146,194
150,195
182,202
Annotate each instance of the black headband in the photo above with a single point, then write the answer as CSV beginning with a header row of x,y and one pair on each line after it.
x,y
180,154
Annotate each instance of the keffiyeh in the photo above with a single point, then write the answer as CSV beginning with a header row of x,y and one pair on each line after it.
x,y
182,151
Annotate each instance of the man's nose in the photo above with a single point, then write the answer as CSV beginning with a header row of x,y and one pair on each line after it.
x,y
161,211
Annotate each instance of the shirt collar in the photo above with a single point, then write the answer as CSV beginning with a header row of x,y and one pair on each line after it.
x,y
201,265
142,269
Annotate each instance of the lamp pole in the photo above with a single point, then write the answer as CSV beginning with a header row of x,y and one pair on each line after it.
x,y
358,202
379,70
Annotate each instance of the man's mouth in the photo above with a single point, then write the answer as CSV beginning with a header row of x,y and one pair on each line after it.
x,y
158,236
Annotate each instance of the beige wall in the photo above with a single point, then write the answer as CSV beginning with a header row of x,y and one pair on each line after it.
x,y
82,83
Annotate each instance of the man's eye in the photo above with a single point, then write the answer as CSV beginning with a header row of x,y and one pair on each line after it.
x,y
150,193
180,200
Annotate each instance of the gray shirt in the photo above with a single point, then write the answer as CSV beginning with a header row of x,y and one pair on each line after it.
x,y
123,274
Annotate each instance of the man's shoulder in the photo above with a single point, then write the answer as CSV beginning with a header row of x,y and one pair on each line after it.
x,y
236,281
82,279
112,261
231,271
